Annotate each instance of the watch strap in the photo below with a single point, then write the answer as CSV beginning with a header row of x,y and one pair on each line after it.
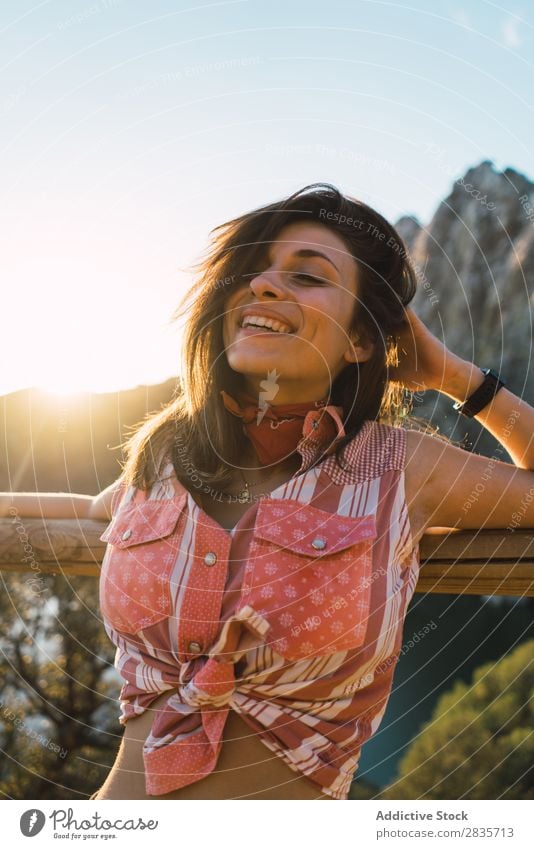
x,y
482,396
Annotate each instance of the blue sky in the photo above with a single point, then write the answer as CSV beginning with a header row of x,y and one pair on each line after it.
x,y
128,130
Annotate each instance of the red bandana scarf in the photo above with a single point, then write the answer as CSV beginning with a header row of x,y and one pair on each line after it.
x,y
275,430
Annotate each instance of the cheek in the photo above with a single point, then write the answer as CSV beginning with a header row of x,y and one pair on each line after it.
x,y
345,321
333,323
228,318
225,332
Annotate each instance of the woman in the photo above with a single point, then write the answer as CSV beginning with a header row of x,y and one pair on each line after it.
x,y
263,546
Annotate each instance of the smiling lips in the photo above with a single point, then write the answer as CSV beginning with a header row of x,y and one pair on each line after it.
x,y
267,323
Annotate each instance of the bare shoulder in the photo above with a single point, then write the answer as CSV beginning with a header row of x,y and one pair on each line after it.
x,y
424,455
423,451
427,456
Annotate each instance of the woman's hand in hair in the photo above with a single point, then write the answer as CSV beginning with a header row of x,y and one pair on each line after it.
x,y
424,361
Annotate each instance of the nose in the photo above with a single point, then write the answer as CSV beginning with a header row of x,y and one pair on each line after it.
x,y
268,285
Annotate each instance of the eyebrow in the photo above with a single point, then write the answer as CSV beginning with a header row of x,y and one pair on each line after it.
x,y
304,252
308,252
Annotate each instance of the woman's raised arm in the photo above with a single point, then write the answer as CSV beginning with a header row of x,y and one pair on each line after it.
x,y
455,488
507,417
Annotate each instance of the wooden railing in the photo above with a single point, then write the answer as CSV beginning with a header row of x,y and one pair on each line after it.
x,y
487,562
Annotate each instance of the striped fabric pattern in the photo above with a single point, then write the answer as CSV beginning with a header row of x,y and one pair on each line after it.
x,y
294,619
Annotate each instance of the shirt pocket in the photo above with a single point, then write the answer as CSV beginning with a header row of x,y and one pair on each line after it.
x,y
309,574
143,545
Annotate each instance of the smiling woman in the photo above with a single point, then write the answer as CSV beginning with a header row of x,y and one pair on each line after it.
x,y
341,289
289,591
263,543
315,302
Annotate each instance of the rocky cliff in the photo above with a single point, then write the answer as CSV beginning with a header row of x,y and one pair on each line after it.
x,y
475,264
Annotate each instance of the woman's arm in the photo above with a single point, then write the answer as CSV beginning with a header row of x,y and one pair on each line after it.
x,y
45,505
507,417
58,505
452,487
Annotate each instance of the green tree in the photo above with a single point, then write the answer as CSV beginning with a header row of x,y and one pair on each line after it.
x,y
361,789
59,731
479,743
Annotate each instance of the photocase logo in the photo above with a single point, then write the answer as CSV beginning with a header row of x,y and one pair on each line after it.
x,y
31,822
270,388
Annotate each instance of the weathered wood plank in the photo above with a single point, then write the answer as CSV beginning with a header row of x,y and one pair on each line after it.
x,y
453,544
476,562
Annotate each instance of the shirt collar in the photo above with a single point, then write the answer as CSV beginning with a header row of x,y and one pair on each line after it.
x,y
321,427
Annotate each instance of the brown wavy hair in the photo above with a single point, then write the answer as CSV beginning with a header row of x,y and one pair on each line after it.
x,y
194,429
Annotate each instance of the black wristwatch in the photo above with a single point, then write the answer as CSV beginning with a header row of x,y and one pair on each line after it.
x,y
481,396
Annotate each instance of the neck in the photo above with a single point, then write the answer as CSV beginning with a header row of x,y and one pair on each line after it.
x,y
294,392
252,467
258,477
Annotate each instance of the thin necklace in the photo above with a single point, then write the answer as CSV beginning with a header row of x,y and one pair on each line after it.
x,y
244,496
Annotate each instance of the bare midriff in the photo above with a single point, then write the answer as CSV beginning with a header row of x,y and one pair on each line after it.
x,y
246,768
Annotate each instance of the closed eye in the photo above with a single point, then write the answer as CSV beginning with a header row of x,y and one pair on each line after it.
x,y
308,278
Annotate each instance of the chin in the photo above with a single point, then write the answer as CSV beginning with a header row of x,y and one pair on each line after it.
x,y
259,366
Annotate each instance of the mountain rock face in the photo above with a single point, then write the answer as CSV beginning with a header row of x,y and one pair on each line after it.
x,y
475,267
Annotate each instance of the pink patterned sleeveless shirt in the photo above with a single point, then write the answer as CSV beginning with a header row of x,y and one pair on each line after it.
x,y
294,619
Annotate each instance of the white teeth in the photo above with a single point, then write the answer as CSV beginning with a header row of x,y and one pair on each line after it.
x,y
261,321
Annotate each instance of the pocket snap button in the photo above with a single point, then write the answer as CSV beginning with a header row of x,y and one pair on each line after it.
x,y
319,543
210,558
194,647
126,535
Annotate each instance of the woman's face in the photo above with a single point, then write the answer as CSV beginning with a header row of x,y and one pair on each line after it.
x,y
311,344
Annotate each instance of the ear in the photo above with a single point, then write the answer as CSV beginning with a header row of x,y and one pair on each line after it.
x,y
359,349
